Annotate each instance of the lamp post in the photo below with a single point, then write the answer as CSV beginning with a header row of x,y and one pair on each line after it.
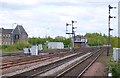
x,y
109,29
73,32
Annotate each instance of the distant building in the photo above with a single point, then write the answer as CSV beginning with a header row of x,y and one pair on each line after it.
x,y
80,41
10,36
5,36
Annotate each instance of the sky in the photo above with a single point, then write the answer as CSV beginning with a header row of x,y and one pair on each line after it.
x,y
42,18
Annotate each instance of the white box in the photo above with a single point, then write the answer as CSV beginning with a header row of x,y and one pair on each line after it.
x,y
116,54
40,47
55,45
26,50
34,50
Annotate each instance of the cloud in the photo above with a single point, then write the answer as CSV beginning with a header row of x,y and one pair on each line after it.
x,y
27,2
14,6
38,15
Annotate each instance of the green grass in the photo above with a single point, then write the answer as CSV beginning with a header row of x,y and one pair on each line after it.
x,y
9,52
8,49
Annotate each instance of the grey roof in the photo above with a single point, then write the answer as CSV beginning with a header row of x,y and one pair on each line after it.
x,y
5,31
19,30
80,36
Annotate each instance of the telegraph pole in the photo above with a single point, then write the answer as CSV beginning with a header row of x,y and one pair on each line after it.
x,y
109,29
73,32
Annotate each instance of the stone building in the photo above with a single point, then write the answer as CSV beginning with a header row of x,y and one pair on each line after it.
x,y
5,36
10,36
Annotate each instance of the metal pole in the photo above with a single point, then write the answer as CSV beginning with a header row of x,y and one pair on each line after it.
x,y
72,36
73,33
108,37
109,29
108,33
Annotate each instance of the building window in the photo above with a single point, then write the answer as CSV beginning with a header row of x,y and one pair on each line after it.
x,y
16,36
3,35
6,36
9,35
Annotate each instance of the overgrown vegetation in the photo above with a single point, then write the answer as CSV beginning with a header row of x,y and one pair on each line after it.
x,y
113,66
14,48
21,44
115,69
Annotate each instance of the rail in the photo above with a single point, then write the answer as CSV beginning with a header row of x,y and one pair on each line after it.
x,y
80,67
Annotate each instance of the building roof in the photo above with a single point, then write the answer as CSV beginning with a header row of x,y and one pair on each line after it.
x,y
5,31
79,36
80,39
19,30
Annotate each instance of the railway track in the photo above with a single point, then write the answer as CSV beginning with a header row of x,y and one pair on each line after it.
x,y
42,69
28,60
35,72
79,68
11,64
33,59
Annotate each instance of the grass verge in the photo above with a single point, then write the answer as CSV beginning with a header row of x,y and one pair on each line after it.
x,y
113,66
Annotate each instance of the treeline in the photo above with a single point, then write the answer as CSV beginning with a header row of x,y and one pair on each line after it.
x,y
94,39
34,40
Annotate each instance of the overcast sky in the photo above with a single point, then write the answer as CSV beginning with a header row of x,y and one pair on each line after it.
x,y
49,17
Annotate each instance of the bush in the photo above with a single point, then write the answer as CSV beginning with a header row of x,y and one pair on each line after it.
x,y
4,46
0,46
21,44
115,69
8,49
15,47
